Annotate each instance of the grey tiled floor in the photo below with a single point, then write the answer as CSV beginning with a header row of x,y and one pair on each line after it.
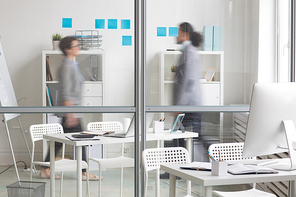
x,y
110,184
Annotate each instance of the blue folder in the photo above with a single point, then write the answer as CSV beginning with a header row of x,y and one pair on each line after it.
x,y
217,39
207,33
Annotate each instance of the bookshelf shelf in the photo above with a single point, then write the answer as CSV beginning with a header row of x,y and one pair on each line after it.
x,y
52,82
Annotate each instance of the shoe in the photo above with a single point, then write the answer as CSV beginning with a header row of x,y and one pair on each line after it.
x,y
45,176
164,176
95,178
167,176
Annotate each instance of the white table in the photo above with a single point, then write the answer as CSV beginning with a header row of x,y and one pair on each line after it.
x,y
106,140
207,180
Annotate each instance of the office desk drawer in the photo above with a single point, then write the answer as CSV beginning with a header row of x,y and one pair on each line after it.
x,y
89,89
92,101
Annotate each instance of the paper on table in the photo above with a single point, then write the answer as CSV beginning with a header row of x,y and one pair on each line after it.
x,y
82,139
249,169
205,166
98,132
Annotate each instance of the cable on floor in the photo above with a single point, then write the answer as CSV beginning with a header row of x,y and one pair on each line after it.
x,y
13,165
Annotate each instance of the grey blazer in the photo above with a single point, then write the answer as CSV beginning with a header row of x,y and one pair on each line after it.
x,y
69,87
187,89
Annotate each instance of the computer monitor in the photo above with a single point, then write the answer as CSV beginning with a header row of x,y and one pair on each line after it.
x,y
270,126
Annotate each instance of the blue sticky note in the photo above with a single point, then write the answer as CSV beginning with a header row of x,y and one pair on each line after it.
x,y
126,40
125,24
112,23
173,31
161,31
67,22
100,23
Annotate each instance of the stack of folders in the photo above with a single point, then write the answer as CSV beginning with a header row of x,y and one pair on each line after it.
x,y
212,38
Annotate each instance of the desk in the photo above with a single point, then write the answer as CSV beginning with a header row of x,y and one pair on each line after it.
x,y
105,140
205,178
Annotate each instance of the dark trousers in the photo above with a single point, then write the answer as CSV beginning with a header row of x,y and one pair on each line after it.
x,y
191,121
58,145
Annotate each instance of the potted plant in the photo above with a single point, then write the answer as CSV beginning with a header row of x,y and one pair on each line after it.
x,y
173,68
171,75
56,40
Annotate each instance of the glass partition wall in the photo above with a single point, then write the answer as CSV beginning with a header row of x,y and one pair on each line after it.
x,y
138,69
106,61
244,42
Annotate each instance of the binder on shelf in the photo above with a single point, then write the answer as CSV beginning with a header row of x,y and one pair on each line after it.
x,y
48,96
48,72
217,38
207,34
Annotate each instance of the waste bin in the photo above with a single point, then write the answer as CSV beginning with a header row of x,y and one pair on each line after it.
x,y
26,189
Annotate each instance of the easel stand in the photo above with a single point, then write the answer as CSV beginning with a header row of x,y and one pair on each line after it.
x,y
10,144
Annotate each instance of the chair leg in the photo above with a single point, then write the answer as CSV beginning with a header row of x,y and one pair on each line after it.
x,y
31,173
121,181
62,182
100,180
146,184
87,180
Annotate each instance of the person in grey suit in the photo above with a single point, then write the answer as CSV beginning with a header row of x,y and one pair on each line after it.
x,y
69,94
187,90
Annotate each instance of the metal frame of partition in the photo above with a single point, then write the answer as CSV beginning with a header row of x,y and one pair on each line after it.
x,y
140,109
293,38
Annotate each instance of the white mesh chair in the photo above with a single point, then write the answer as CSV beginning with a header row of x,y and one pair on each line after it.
x,y
233,152
37,132
109,163
229,151
153,157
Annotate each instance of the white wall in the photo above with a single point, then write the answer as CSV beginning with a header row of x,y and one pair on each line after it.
x,y
25,30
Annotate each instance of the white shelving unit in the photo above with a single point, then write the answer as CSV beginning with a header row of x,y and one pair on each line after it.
x,y
212,92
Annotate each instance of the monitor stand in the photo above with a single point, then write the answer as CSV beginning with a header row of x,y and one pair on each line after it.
x,y
291,142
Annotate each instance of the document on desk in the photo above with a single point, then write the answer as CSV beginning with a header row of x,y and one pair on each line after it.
x,y
82,139
239,169
100,133
202,166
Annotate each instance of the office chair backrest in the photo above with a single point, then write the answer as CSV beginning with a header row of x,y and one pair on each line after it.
x,y
37,131
104,126
153,157
228,151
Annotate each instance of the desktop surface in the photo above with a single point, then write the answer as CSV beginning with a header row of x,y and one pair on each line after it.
x,y
150,136
205,178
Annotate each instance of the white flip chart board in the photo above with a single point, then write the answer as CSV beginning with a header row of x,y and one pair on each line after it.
x,y
7,95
